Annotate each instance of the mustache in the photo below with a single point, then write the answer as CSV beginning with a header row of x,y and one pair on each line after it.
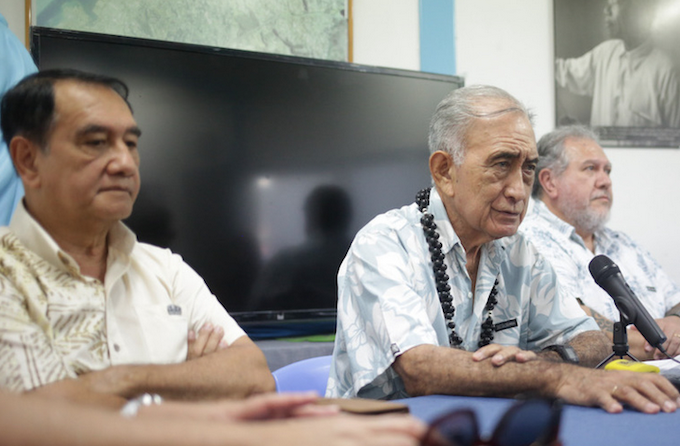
x,y
602,195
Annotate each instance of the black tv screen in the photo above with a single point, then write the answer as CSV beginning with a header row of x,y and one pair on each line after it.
x,y
259,169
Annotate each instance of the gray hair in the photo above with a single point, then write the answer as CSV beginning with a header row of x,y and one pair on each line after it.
x,y
551,153
458,110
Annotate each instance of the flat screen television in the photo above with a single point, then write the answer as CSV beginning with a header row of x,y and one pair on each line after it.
x,y
259,169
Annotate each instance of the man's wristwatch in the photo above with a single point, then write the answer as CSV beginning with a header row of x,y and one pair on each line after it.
x,y
132,406
566,352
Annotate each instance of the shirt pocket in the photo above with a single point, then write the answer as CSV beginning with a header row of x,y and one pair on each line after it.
x,y
165,332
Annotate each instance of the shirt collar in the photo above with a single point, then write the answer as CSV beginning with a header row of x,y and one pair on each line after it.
x,y
36,239
541,211
604,238
639,54
448,237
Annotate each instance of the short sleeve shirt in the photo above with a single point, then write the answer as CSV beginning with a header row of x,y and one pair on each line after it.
x,y
56,323
388,302
558,241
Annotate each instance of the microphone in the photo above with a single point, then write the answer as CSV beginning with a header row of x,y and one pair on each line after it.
x,y
608,276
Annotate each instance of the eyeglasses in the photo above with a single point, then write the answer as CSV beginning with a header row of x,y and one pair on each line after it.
x,y
533,422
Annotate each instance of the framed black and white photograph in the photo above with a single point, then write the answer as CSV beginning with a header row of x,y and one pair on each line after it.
x,y
617,70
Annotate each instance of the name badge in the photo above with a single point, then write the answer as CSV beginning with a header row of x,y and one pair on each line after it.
x,y
505,325
174,310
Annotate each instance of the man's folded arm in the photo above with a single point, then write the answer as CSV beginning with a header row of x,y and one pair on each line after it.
x,y
429,369
234,372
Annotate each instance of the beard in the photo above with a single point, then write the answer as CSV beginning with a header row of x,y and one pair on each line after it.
x,y
584,217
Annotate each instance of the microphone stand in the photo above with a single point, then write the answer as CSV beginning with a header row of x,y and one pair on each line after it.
x,y
620,346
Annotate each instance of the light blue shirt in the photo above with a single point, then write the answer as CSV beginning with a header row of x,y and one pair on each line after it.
x,y
558,241
388,302
15,64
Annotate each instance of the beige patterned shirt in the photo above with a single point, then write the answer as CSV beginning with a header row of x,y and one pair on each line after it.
x,y
56,323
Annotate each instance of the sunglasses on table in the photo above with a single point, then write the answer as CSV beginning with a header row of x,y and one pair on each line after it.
x,y
532,422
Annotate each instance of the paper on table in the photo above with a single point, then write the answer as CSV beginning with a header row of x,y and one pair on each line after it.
x,y
666,364
669,369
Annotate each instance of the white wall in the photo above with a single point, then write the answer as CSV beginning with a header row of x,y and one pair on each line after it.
x,y
386,33
510,44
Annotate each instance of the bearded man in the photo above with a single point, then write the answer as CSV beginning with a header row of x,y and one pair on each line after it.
x,y
572,199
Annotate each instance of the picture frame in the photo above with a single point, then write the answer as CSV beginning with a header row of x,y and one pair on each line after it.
x,y
629,96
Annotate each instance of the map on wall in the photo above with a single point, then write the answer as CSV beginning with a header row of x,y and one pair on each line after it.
x,y
306,28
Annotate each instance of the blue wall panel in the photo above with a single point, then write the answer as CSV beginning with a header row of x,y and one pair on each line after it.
x,y
437,49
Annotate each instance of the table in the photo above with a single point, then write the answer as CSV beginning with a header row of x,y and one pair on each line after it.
x,y
581,426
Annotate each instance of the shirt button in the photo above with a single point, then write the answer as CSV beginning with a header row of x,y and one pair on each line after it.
x,y
470,294
116,347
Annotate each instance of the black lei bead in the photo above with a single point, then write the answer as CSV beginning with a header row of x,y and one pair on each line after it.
x,y
442,279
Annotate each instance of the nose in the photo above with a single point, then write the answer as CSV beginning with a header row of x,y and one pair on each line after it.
x,y
124,160
603,180
517,188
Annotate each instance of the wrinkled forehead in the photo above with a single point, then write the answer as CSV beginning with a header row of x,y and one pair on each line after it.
x,y
504,132
507,115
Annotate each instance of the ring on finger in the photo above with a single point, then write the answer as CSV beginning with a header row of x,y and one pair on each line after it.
x,y
616,387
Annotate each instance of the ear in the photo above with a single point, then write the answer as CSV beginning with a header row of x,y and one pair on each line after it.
x,y
24,154
548,181
443,172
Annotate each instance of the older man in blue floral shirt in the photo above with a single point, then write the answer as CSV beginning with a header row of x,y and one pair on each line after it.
x,y
573,197
449,271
